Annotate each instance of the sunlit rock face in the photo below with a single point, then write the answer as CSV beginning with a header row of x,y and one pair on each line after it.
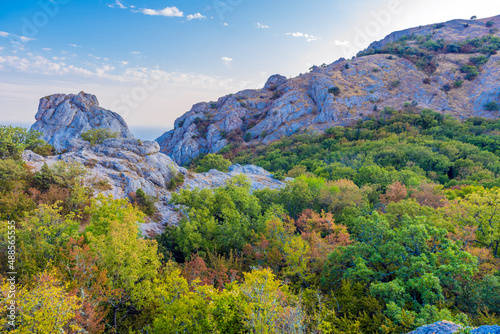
x,y
340,94
63,118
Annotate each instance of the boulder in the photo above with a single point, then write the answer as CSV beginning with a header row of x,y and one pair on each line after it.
x,y
63,118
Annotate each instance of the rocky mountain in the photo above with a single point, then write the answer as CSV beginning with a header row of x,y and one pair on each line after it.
x,y
447,327
63,118
454,30
450,67
123,165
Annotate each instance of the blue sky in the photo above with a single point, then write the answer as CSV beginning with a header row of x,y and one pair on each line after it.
x,y
151,60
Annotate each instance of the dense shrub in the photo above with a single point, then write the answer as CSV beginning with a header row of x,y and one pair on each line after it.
x,y
98,136
212,161
14,140
492,106
176,181
334,90
145,202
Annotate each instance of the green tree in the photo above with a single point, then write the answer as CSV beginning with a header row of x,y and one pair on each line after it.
x,y
130,261
222,219
181,307
413,263
14,140
213,161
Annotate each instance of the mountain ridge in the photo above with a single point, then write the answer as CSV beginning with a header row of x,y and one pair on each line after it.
x,y
349,90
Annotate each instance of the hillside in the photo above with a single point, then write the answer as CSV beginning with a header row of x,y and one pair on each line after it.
x,y
450,68
323,211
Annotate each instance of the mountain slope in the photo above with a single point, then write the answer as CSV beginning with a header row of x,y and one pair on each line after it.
x,y
424,68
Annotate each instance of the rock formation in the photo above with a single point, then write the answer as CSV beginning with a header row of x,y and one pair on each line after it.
x,y
63,118
447,327
341,93
125,165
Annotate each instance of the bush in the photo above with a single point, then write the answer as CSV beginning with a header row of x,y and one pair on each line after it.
x,y
98,136
395,83
492,106
458,83
248,137
213,161
453,48
14,140
334,90
490,24
44,150
479,61
175,182
471,72
145,202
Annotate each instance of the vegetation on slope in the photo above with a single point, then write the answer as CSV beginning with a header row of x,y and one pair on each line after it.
x,y
387,225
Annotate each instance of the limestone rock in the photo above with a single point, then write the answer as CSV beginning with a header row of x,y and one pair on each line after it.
x,y
339,94
441,327
274,82
129,164
447,327
63,118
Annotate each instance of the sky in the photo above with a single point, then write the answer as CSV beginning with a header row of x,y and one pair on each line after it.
x,y
150,61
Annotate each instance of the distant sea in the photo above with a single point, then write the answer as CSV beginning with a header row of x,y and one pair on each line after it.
x,y
148,132
140,132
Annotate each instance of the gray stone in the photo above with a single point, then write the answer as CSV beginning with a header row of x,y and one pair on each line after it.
x,y
63,118
274,82
288,106
447,327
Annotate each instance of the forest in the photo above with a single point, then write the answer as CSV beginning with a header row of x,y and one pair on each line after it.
x,y
383,226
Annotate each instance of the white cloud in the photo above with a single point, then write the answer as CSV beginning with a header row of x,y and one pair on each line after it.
x,y
102,70
47,49
341,43
25,39
225,24
196,16
135,53
73,45
168,12
262,26
226,59
309,38
119,4
124,63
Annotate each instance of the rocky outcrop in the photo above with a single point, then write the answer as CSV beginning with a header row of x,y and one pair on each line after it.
x,y
339,94
447,327
455,30
63,118
124,165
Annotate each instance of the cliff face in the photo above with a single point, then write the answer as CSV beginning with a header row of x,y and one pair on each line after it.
x,y
63,118
348,90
